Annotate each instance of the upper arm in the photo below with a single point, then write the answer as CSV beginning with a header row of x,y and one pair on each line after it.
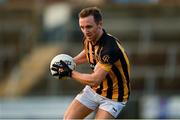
x,y
99,73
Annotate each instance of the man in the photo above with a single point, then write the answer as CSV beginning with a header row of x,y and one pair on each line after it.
x,y
107,88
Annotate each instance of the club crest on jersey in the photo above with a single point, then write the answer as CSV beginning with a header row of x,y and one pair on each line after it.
x,y
105,58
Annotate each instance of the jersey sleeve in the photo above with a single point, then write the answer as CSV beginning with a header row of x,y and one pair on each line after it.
x,y
108,58
106,67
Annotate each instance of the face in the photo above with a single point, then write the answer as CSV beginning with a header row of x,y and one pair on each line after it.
x,y
90,28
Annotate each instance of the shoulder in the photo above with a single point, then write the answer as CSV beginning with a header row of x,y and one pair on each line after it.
x,y
109,41
109,50
109,44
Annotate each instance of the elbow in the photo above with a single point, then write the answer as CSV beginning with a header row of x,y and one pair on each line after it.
x,y
96,83
95,80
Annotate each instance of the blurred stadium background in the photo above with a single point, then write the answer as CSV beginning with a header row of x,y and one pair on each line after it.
x,y
32,32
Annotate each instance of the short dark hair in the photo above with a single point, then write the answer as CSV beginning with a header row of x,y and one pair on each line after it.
x,y
94,11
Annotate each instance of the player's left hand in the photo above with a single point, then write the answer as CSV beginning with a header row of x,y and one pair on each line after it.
x,y
62,70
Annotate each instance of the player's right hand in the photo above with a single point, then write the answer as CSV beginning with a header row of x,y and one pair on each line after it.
x,y
57,67
61,69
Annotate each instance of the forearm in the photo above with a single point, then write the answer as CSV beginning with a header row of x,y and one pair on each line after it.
x,y
93,79
87,79
80,58
79,61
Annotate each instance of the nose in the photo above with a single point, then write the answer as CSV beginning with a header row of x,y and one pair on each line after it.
x,y
86,30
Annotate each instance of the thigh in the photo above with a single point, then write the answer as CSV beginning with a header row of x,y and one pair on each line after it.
x,y
76,110
102,114
109,108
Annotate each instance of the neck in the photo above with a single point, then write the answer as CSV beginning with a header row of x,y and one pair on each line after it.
x,y
98,37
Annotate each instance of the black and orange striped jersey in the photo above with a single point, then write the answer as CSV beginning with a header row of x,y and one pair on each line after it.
x,y
109,54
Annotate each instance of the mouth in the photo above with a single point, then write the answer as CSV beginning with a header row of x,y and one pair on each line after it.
x,y
89,35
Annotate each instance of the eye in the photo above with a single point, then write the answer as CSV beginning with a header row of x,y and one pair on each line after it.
x,y
82,27
88,26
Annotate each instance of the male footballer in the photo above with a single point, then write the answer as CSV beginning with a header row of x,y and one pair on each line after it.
x,y
107,88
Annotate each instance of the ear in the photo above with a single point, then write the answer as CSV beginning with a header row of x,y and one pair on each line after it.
x,y
100,24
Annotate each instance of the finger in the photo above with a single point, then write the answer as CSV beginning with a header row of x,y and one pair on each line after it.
x,y
54,69
61,70
57,65
62,74
63,63
55,74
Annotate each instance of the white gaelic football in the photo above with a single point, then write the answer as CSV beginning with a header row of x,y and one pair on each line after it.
x,y
64,57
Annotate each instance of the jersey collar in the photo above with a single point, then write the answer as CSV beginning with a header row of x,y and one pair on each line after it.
x,y
101,38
